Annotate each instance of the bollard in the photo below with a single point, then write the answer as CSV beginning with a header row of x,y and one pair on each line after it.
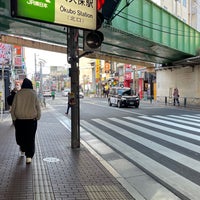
x,y
151,99
165,100
185,101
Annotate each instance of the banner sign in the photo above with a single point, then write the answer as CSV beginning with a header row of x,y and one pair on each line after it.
x,y
128,72
17,50
98,69
75,13
18,61
107,67
5,54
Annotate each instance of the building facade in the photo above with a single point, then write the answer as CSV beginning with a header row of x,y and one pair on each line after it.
x,y
186,10
186,78
12,70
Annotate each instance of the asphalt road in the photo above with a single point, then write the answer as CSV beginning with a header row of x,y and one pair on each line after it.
x,y
161,141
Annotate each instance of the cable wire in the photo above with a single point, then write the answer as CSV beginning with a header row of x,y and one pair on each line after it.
x,y
154,24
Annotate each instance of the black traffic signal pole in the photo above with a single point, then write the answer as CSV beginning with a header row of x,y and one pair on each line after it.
x,y
73,59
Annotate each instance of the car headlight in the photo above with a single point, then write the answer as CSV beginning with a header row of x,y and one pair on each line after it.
x,y
123,99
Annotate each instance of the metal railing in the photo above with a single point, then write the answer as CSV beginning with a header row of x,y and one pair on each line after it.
x,y
184,101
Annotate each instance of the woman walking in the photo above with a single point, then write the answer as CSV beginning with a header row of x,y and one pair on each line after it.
x,y
176,96
25,112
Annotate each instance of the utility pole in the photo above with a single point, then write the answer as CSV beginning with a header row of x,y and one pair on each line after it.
x,y
3,92
41,78
35,60
73,59
93,40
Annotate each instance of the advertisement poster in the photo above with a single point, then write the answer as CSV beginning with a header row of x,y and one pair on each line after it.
x,y
5,54
128,72
98,69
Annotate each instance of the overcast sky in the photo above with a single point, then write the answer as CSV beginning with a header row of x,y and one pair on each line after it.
x,y
51,59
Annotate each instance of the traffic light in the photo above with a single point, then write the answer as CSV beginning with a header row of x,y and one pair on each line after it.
x,y
94,39
100,4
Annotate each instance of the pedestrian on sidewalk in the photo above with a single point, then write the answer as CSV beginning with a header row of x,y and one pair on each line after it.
x,y
53,94
25,112
69,103
176,96
11,97
10,100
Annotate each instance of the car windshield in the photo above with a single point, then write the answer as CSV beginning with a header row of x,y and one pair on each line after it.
x,y
122,91
126,92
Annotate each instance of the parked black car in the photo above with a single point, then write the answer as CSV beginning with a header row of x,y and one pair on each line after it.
x,y
122,97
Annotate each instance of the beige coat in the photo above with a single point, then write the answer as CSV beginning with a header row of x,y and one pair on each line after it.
x,y
26,105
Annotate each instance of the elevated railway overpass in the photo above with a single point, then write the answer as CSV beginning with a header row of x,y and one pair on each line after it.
x,y
135,31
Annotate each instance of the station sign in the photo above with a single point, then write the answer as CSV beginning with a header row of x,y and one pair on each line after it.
x,y
74,13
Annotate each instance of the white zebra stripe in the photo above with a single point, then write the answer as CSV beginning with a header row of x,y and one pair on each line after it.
x,y
171,123
177,120
170,130
178,157
185,118
192,116
179,142
180,183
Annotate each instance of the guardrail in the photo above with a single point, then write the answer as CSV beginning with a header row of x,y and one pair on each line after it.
x,y
184,101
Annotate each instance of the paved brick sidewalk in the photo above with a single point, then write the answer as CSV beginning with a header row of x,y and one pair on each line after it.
x,y
56,172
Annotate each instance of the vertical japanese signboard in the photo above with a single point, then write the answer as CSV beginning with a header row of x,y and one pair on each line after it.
x,y
75,13
98,69
128,72
107,67
17,56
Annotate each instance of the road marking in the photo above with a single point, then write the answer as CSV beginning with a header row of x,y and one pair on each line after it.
x,y
168,129
177,120
177,157
173,180
171,123
185,118
173,140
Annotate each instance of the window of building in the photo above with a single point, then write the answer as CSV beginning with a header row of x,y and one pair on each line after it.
x,y
184,3
165,8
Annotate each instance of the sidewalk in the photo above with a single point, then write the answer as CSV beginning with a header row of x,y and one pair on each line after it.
x,y
57,172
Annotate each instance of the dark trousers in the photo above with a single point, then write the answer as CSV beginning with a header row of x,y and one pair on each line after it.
x,y
25,135
68,107
176,100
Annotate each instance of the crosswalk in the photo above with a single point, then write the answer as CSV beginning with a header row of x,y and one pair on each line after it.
x,y
167,147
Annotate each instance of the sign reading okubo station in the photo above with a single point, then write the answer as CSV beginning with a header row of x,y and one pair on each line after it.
x,y
75,13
